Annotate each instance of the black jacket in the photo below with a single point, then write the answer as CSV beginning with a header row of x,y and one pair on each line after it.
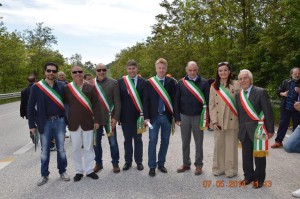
x,y
129,113
25,93
151,99
185,102
285,86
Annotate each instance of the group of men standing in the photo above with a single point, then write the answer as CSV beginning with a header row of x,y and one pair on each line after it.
x,y
134,102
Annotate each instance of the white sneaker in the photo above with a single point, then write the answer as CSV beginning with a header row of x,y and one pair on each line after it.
x,y
64,176
42,180
296,193
67,135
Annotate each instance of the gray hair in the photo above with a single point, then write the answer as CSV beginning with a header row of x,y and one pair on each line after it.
x,y
248,72
192,63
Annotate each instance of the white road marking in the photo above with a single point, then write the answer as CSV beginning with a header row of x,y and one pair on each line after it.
x,y
6,161
24,148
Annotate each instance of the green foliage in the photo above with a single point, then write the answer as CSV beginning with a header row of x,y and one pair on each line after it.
x,y
262,36
26,53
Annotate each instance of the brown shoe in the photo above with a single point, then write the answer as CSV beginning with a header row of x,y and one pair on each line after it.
x,y
198,170
97,168
116,168
277,145
183,168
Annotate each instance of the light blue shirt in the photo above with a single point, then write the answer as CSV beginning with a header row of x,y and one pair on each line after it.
x,y
248,91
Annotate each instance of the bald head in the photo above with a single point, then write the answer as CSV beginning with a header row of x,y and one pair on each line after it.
x,y
192,69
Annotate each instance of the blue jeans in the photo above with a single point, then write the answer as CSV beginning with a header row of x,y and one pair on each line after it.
x,y
53,128
292,145
160,122
113,143
285,117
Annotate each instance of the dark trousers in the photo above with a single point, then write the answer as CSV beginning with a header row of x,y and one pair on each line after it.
x,y
285,117
130,133
257,174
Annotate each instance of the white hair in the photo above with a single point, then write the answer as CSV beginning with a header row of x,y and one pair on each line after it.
x,y
248,72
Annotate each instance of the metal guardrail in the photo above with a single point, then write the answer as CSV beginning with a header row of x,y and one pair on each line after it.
x,y
10,95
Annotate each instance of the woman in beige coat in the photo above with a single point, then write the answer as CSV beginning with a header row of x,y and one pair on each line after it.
x,y
224,121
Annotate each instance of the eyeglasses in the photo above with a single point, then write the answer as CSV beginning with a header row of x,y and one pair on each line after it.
x,y
49,71
99,70
223,63
77,72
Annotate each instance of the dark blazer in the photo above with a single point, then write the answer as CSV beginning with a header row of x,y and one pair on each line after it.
x,y
77,114
285,86
185,102
260,102
129,113
36,112
151,99
25,93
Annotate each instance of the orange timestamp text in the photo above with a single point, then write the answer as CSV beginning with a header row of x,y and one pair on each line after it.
x,y
231,183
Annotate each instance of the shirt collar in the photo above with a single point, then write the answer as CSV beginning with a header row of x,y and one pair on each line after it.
x,y
161,79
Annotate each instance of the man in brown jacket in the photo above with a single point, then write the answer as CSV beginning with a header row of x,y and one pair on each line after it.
x,y
108,93
82,117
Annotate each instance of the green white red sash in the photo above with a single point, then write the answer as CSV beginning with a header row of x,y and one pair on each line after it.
x,y
227,98
191,86
107,106
51,93
81,97
133,93
260,141
162,92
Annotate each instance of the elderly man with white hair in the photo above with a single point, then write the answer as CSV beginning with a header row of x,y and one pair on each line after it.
x,y
256,126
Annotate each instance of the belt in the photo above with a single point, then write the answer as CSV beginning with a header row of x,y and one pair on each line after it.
x,y
163,113
55,117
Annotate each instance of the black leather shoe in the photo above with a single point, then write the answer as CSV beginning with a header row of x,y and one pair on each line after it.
x,y
246,181
162,169
78,177
140,166
126,166
257,184
152,172
93,176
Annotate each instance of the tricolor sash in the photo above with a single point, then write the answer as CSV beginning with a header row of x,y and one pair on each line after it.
x,y
162,92
191,86
260,141
81,97
51,93
133,93
107,106
227,98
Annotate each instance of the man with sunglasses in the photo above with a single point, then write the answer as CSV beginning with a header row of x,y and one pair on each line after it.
x,y
83,115
49,118
107,90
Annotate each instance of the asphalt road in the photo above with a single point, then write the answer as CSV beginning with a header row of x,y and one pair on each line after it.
x,y
20,170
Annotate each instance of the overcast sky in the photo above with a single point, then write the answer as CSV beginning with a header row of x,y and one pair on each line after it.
x,y
96,29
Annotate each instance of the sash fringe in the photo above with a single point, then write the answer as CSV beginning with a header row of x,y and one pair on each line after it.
x,y
260,154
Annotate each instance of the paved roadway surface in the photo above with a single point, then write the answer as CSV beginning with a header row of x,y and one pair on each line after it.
x,y
20,170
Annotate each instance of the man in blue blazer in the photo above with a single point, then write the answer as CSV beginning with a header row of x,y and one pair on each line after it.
x,y
158,111
46,113
130,112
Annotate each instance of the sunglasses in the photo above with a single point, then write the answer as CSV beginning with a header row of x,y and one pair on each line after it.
x,y
223,63
77,72
99,70
49,71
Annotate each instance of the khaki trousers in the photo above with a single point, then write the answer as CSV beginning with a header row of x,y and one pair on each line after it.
x,y
225,159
